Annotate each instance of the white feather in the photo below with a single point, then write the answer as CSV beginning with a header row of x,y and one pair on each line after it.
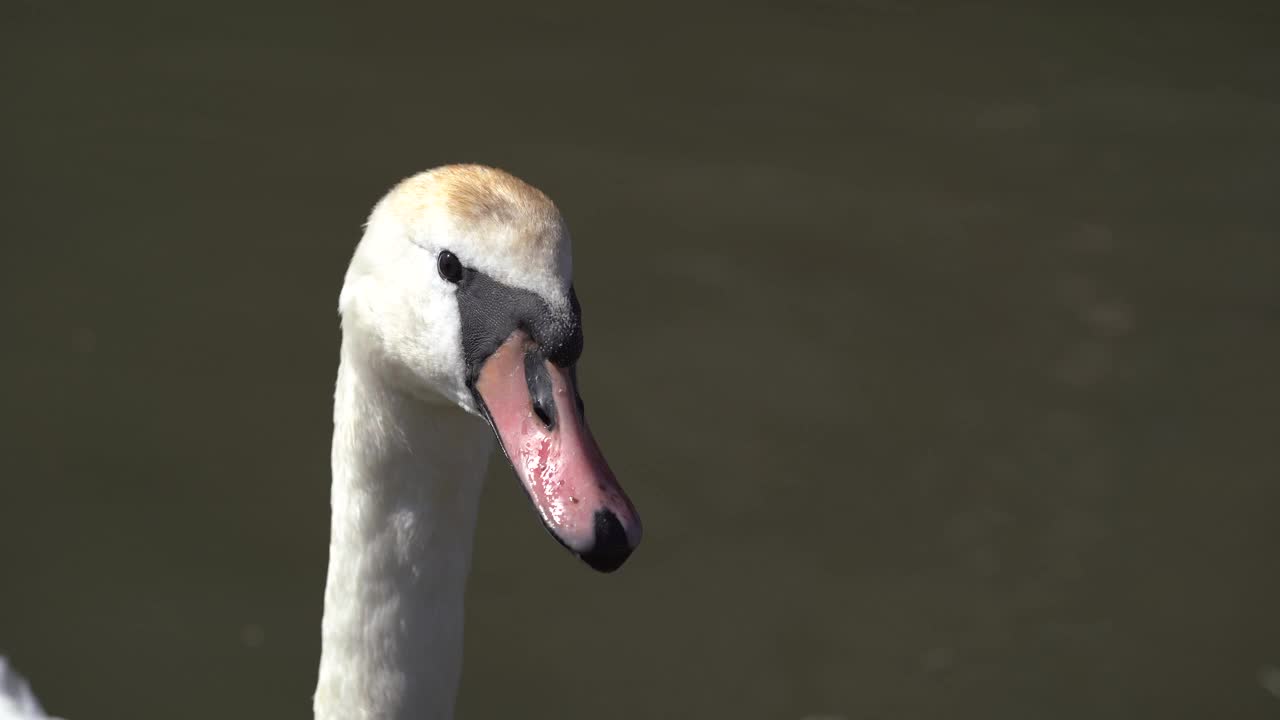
x,y
17,702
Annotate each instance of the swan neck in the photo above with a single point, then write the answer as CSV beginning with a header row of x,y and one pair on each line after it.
x,y
406,483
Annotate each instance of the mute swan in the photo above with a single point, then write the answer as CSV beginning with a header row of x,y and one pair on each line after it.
x,y
458,303
458,306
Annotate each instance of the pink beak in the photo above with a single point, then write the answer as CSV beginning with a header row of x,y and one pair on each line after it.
x,y
534,409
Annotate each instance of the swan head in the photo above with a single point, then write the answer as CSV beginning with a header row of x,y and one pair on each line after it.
x,y
461,292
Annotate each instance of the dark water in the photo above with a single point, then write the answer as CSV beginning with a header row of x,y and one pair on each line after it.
x,y
937,343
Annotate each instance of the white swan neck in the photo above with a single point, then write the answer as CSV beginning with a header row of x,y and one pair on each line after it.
x,y
406,485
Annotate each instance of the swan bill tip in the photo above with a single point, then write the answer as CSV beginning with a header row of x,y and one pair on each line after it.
x,y
611,546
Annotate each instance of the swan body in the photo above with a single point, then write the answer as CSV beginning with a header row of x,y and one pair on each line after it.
x,y
17,702
457,309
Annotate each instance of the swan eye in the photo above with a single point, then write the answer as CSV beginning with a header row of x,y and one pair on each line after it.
x,y
449,266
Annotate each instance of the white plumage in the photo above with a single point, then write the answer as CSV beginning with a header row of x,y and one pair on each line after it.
x,y
17,702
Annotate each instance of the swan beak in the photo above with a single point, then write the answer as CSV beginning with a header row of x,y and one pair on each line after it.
x,y
536,412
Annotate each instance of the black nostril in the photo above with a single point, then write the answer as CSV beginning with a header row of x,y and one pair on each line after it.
x,y
541,411
541,391
611,547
